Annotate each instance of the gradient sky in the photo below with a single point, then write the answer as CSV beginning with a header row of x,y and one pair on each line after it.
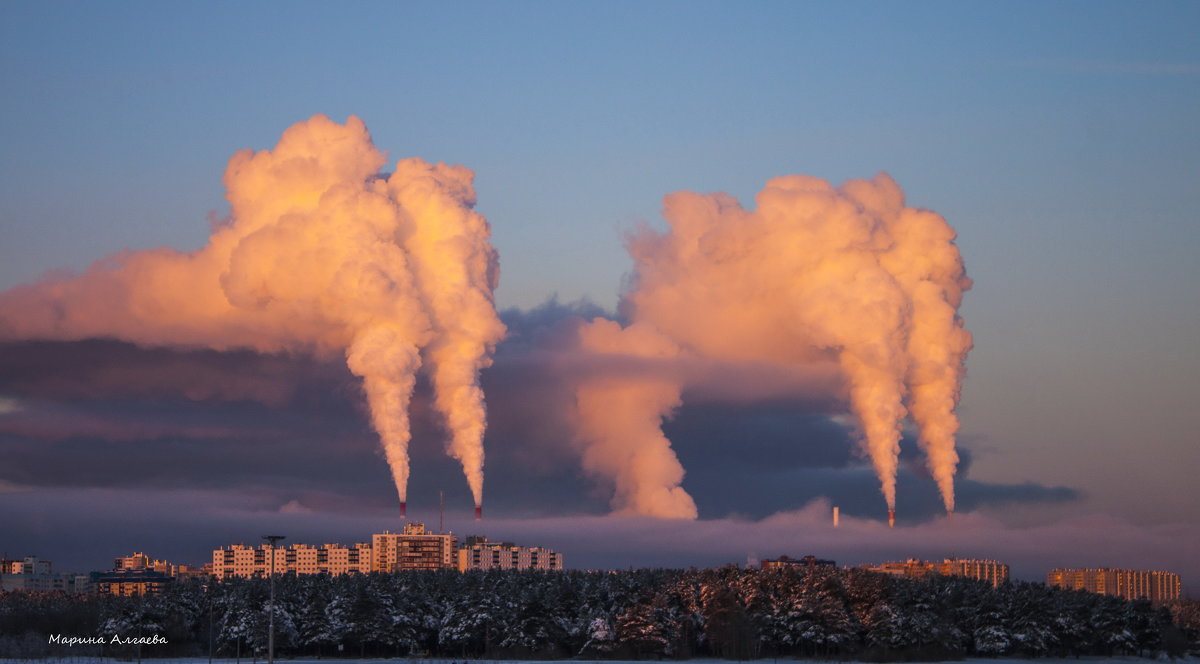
x,y
1060,140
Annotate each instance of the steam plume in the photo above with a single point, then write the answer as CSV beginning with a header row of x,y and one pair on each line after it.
x,y
816,273
321,254
620,413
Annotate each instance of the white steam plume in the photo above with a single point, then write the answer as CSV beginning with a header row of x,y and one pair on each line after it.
x,y
324,255
815,273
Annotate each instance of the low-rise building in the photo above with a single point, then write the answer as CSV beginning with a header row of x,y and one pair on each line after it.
x,y
480,553
807,561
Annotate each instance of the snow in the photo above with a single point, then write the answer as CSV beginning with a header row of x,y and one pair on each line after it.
x,y
416,660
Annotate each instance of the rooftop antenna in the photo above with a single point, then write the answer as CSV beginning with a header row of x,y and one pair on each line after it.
x,y
441,511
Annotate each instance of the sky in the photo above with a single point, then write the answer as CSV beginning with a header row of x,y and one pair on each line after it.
x,y
1057,139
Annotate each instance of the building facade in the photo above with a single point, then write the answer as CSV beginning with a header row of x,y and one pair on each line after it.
x,y
807,561
141,561
34,575
413,549
334,559
30,565
989,571
132,582
1154,585
480,553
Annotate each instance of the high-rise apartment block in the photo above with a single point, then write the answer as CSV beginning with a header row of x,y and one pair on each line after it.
x,y
990,571
480,553
415,548
1156,586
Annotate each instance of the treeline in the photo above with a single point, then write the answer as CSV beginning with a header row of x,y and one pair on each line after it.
x,y
640,614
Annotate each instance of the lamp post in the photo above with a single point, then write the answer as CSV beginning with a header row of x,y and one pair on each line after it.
x,y
273,539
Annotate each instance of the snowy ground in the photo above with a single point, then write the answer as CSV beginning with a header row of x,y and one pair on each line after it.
x,y
417,660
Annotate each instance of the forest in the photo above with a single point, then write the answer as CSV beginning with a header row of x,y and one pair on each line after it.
x,y
728,612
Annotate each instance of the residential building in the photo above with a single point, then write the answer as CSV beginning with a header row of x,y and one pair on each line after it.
x,y
27,565
132,582
480,553
32,574
990,571
1154,585
246,561
142,561
912,568
807,561
413,549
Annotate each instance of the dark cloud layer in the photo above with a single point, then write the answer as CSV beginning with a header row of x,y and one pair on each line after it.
x,y
182,450
107,414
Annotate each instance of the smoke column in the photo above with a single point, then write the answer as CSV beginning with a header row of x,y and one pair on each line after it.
x,y
620,412
456,268
815,273
321,254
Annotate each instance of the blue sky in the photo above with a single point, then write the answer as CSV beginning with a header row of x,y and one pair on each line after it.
x,y
1060,139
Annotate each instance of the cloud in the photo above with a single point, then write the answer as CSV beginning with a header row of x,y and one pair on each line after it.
x,y
185,525
102,369
325,255
82,427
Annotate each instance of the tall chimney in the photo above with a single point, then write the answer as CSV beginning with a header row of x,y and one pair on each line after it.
x,y
835,516
891,518
478,512
403,510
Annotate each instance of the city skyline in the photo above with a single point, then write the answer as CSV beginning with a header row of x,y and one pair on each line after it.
x,y
1062,158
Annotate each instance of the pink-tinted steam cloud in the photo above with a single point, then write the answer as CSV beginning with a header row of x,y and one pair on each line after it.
x,y
815,274
321,255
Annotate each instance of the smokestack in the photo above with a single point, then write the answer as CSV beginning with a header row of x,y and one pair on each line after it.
x,y
891,518
403,510
835,516
479,512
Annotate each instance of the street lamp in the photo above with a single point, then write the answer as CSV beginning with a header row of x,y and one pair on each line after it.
x,y
273,539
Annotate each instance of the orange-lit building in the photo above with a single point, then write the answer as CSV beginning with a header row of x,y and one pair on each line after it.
x,y
132,582
334,559
806,561
1154,585
413,549
912,568
990,571
141,561
480,553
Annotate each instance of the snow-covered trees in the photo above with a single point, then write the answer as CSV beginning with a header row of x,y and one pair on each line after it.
x,y
725,612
